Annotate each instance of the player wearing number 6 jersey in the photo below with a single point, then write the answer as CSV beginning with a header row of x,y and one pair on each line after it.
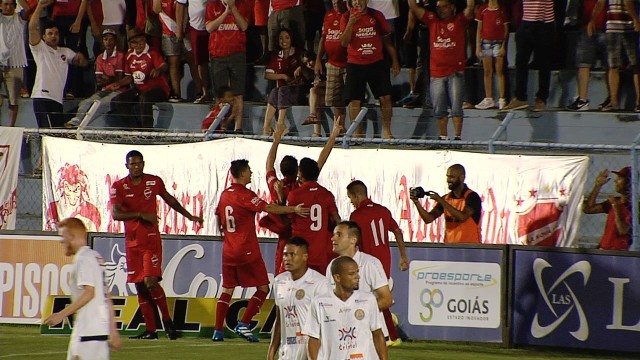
x,y
375,223
242,263
323,214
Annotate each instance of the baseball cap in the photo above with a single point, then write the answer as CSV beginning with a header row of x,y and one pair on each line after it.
x,y
624,172
109,32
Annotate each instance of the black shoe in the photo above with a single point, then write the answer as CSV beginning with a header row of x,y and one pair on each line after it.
x,y
605,103
170,329
147,335
579,105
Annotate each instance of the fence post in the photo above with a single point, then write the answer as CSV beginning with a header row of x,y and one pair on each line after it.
x,y
503,126
354,125
635,243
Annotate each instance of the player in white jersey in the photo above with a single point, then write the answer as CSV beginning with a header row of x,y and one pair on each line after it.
x,y
345,324
346,236
94,328
294,291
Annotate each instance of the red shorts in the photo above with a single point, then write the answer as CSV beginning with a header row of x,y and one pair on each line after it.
x,y
200,46
143,261
245,275
261,12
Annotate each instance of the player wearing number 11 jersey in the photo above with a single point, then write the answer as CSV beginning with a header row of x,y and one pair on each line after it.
x,y
242,263
323,215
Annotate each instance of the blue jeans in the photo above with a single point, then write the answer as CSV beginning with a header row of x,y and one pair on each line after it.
x,y
447,91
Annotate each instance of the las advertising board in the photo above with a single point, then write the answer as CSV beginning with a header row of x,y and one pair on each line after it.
x,y
31,268
579,300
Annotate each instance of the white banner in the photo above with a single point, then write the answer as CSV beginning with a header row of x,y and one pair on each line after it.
x,y
525,199
10,147
455,293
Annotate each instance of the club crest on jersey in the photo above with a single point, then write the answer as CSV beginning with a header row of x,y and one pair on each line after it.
x,y
300,294
147,193
155,261
359,314
450,26
255,201
125,186
63,57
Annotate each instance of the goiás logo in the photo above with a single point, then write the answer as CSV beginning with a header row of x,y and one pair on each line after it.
x,y
560,300
429,299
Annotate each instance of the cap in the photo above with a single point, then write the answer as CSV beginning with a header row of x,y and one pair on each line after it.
x,y
109,32
624,172
134,33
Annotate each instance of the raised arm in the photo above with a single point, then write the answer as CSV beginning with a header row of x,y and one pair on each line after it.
x,y
590,206
273,150
34,25
416,10
326,150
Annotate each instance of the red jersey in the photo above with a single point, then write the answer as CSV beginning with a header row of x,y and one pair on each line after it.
x,y
611,240
587,10
227,39
278,5
375,223
285,65
236,212
446,40
169,8
140,66
66,8
144,10
213,114
336,53
314,228
96,8
493,21
138,198
366,45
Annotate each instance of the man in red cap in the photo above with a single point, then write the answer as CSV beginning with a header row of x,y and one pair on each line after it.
x,y
617,231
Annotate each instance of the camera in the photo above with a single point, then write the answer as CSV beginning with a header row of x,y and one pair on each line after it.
x,y
418,192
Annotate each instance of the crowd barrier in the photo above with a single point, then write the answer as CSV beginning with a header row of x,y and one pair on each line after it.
x,y
512,295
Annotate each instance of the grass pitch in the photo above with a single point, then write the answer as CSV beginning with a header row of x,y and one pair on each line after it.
x,y
25,342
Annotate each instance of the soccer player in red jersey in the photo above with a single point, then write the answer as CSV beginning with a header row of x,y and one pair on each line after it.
x,y
279,189
375,223
323,214
242,263
133,200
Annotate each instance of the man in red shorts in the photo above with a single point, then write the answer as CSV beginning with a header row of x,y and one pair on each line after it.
x,y
375,223
133,200
242,263
279,189
323,215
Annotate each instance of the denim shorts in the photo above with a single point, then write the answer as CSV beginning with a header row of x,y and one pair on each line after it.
x,y
592,48
490,48
445,91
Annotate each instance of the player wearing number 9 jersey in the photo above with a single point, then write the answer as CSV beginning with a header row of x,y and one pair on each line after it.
x,y
323,215
242,263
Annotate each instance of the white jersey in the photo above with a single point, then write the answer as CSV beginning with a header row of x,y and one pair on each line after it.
x,y
51,75
12,51
294,298
389,8
372,276
196,9
93,318
344,327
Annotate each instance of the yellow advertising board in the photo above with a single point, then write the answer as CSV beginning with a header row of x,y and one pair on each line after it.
x,y
193,317
32,267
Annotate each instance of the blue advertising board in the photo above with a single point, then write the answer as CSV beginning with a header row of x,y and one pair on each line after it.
x,y
573,299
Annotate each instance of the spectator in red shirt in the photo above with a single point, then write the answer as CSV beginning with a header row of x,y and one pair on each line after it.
x,y
109,69
242,263
364,33
222,108
336,64
323,214
227,23
293,80
617,230
447,50
144,68
491,43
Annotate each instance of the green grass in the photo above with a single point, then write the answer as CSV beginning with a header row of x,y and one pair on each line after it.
x,y
25,342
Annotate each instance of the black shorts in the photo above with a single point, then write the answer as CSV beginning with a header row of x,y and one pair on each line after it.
x,y
377,75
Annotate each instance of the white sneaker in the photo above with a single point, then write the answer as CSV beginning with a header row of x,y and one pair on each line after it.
x,y
486,103
502,102
73,123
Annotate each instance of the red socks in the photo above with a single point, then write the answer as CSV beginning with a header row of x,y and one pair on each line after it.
x,y
221,310
388,320
146,307
161,301
254,306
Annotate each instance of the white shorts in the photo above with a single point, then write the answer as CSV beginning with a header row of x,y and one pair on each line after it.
x,y
84,350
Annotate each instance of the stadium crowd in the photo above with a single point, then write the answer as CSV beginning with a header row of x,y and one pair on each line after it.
x,y
218,39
